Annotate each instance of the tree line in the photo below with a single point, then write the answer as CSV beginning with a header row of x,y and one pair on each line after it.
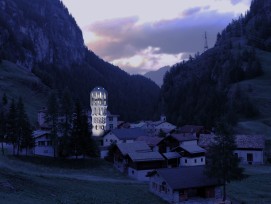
x,y
69,128
15,127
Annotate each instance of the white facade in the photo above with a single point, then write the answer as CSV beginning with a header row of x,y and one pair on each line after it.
x,y
250,156
98,104
109,139
43,146
111,122
194,161
165,126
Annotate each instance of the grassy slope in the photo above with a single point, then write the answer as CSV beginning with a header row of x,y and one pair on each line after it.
x,y
254,189
31,184
259,90
16,82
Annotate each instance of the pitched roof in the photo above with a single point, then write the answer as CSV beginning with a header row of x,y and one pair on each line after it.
x,y
205,140
39,133
242,141
145,156
128,133
192,148
171,155
126,148
184,137
151,141
250,141
190,128
186,177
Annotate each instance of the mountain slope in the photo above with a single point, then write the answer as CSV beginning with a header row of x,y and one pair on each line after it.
x,y
158,75
16,82
212,85
41,36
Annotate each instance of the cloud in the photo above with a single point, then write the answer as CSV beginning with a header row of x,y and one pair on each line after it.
x,y
234,2
191,11
138,47
124,37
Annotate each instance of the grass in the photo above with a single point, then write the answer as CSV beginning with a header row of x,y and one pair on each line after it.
x,y
254,189
259,90
30,180
18,82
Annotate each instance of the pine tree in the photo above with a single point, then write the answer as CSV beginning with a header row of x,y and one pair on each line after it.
x,y
12,125
76,131
24,138
221,161
52,119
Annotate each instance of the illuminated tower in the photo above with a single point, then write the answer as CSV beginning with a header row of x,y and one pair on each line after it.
x,y
98,104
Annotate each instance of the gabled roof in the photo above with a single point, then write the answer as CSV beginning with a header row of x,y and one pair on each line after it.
x,y
190,129
151,141
128,133
192,148
250,141
205,140
39,133
126,148
186,177
242,141
171,155
184,137
145,156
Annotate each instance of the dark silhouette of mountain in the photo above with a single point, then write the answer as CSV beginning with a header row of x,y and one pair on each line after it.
x,y
220,81
43,37
158,75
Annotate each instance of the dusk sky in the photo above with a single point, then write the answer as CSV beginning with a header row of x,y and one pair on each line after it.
x,y
144,35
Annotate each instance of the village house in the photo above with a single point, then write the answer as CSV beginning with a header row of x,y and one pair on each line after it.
x,y
185,144
184,183
249,148
172,159
43,143
124,135
136,159
152,141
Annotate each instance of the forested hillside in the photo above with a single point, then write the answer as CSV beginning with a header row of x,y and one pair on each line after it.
x,y
207,86
43,38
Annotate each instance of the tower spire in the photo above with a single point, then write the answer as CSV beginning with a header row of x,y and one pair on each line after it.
x,y
205,43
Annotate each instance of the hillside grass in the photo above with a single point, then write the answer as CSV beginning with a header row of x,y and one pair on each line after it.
x,y
259,90
47,180
18,82
254,189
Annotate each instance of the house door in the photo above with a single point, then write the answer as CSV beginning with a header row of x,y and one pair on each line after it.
x,y
249,158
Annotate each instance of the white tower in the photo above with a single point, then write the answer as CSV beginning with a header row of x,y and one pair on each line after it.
x,y
98,104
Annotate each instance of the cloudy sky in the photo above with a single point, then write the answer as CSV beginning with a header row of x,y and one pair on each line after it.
x,y
143,35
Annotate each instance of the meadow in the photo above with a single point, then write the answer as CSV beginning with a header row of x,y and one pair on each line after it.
x,y
45,180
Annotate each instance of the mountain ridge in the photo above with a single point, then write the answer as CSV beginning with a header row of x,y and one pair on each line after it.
x,y
43,37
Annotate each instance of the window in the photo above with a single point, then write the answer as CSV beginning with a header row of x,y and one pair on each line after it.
x,y
110,118
41,143
195,160
185,161
133,172
49,143
201,159
110,126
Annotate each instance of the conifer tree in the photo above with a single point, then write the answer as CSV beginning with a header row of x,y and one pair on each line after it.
x,y
24,137
3,123
221,161
65,126
12,125
52,119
